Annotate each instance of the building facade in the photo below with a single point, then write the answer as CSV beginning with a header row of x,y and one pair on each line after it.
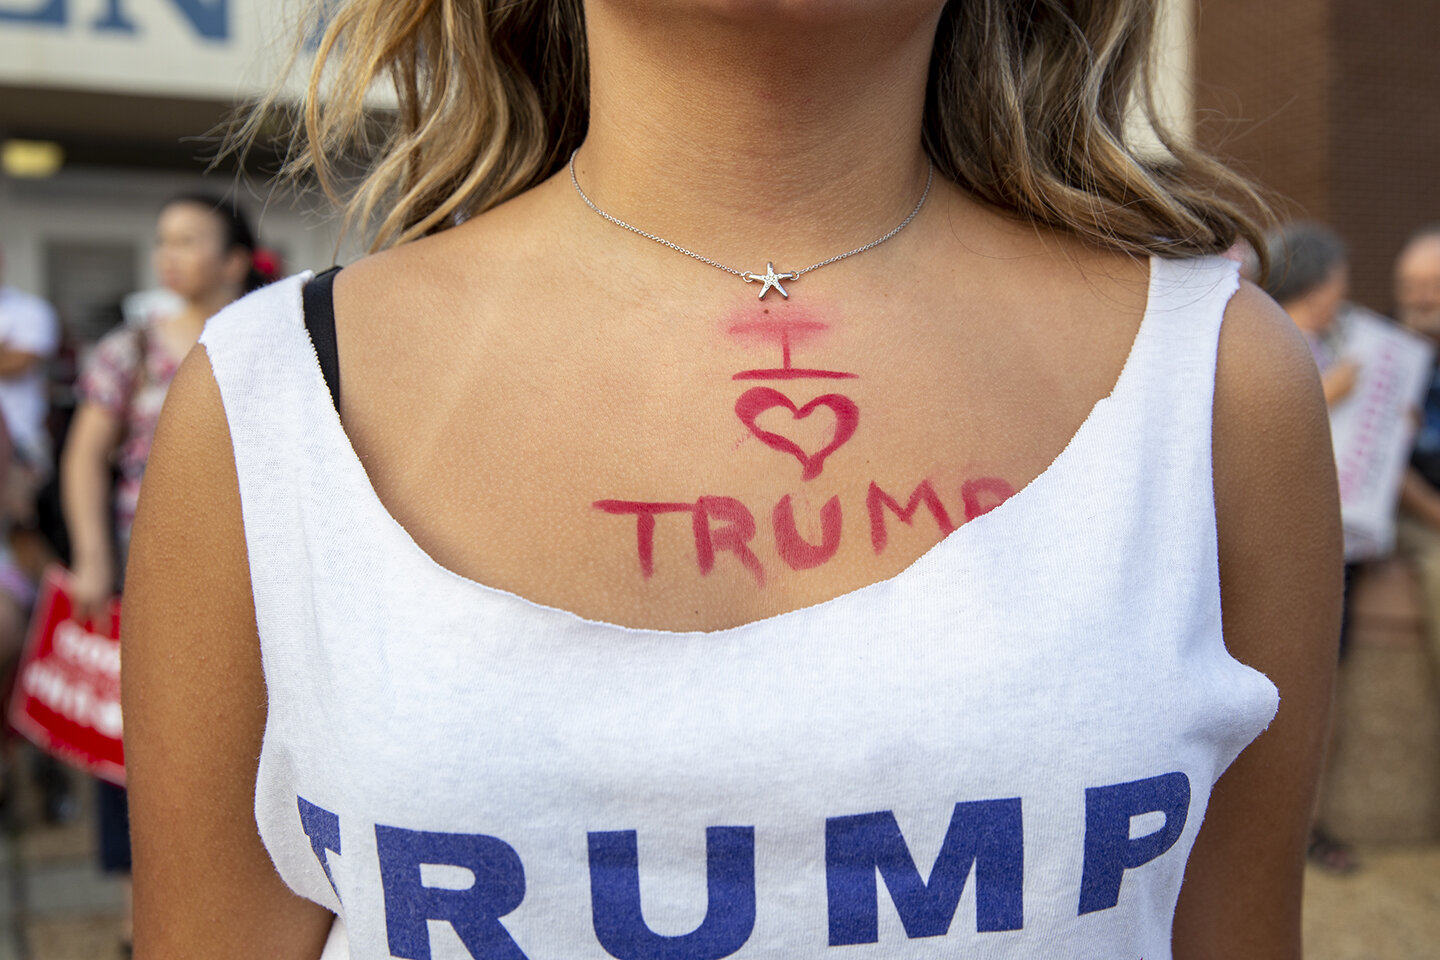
x,y
1334,105
119,103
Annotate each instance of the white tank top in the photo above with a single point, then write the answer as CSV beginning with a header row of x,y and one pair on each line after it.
x,y
1004,751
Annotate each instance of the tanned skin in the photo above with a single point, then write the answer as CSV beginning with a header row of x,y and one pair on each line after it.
x,y
979,345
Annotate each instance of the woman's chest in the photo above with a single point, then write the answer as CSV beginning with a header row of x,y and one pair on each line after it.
x,y
785,464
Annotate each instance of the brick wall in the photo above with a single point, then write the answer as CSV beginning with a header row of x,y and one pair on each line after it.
x,y
1385,137
1335,106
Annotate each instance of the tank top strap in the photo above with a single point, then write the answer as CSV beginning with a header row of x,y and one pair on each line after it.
x,y
265,366
1141,468
276,406
1168,384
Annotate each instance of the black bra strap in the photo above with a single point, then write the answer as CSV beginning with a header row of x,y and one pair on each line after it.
x,y
318,299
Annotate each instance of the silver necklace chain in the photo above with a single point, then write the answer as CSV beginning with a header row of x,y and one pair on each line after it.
x,y
770,278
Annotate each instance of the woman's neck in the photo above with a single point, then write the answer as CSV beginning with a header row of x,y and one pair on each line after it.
x,y
732,131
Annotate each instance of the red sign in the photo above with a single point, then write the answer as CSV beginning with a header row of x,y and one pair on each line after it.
x,y
67,689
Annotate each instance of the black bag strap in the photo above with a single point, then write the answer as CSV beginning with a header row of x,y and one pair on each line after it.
x,y
318,300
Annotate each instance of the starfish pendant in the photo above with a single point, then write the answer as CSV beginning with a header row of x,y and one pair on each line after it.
x,y
771,279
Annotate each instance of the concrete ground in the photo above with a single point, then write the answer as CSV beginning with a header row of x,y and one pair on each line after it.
x,y
1387,910
54,902
55,905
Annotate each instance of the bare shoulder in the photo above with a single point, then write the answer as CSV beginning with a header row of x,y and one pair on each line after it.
x,y
431,273
1265,370
193,405
1275,487
428,291
191,463
1276,495
191,650
376,284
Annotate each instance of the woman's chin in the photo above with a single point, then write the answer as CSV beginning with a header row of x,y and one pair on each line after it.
x,y
779,13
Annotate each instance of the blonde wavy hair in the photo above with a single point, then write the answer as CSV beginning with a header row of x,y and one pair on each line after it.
x,y
1026,107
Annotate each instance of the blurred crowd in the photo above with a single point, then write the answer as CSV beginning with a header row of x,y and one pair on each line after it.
x,y
1309,276
76,425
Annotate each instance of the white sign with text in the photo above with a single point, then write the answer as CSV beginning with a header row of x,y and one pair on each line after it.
x,y
1373,427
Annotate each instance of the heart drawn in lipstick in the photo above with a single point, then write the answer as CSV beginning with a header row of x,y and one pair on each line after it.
x,y
753,403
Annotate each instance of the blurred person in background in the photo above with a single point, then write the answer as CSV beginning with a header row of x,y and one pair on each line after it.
x,y
29,337
1417,307
1309,277
1417,283
204,249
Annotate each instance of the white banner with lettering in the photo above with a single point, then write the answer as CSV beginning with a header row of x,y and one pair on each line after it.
x,y
200,49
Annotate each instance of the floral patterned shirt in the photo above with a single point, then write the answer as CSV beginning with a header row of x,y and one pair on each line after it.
x,y
113,378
